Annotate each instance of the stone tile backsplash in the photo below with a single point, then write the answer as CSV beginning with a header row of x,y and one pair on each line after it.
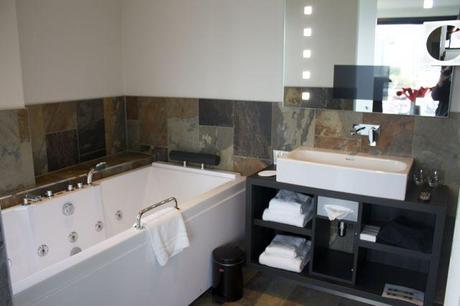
x,y
49,137
243,133
91,129
16,160
61,150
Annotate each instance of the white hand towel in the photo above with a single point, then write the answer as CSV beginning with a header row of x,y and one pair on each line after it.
x,y
296,264
289,201
166,233
286,218
286,246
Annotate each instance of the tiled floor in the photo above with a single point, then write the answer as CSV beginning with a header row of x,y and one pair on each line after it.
x,y
264,290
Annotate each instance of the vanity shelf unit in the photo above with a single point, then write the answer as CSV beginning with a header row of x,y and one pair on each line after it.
x,y
359,269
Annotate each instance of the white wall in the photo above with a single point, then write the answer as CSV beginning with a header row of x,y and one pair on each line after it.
x,y
204,48
367,23
70,49
333,41
11,94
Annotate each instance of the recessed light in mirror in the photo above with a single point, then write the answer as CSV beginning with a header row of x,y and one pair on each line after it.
x,y
308,10
306,75
427,4
307,32
305,96
306,53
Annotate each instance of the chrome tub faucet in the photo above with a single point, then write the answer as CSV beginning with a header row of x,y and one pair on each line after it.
x,y
30,199
99,167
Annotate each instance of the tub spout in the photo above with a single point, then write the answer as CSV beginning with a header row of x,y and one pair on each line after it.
x,y
99,167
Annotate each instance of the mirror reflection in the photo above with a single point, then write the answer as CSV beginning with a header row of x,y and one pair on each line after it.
x,y
372,55
443,43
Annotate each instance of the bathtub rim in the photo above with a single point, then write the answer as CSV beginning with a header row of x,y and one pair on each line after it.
x,y
229,189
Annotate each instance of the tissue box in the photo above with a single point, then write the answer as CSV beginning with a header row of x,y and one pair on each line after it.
x,y
349,205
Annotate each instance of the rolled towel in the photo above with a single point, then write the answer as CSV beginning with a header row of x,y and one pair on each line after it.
x,y
296,264
292,202
286,246
299,220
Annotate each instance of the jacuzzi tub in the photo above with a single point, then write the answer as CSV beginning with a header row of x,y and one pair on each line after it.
x,y
116,265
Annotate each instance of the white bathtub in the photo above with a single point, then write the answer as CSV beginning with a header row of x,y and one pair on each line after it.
x,y
116,266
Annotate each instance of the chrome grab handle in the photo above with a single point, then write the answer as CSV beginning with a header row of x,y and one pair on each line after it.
x,y
138,224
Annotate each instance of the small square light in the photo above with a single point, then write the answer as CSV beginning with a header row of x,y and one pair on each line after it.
x,y
308,10
306,53
306,75
305,96
307,32
428,4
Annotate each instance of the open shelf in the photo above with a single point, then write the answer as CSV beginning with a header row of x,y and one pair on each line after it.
x,y
372,278
371,292
304,231
393,249
333,264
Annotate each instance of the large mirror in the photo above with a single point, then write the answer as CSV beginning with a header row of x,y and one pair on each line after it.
x,y
385,56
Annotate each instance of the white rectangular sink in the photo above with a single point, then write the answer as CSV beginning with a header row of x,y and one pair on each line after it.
x,y
377,176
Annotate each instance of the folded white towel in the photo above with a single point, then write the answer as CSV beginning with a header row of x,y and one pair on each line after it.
x,y
296,264
292,202
286,246
299,220
166,233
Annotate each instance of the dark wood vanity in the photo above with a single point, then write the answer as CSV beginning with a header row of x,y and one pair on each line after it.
x,y
357,269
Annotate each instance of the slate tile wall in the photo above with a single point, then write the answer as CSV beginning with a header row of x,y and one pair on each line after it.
x,y
244,133
68,133
48,137
90,129
16,160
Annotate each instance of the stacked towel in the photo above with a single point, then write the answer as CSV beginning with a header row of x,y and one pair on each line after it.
x,y
287,253
167,234
289,207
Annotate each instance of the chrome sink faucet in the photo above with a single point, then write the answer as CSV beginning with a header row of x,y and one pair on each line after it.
x,y
372,131
99,167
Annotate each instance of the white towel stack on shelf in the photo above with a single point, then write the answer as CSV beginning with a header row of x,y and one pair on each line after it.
x,y
289,207
287,253
370,233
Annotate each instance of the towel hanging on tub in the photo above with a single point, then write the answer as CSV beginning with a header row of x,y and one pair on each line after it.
x,y
166,234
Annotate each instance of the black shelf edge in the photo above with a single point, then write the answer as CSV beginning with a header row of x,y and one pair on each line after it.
x,y
339,289
393,249
304,231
